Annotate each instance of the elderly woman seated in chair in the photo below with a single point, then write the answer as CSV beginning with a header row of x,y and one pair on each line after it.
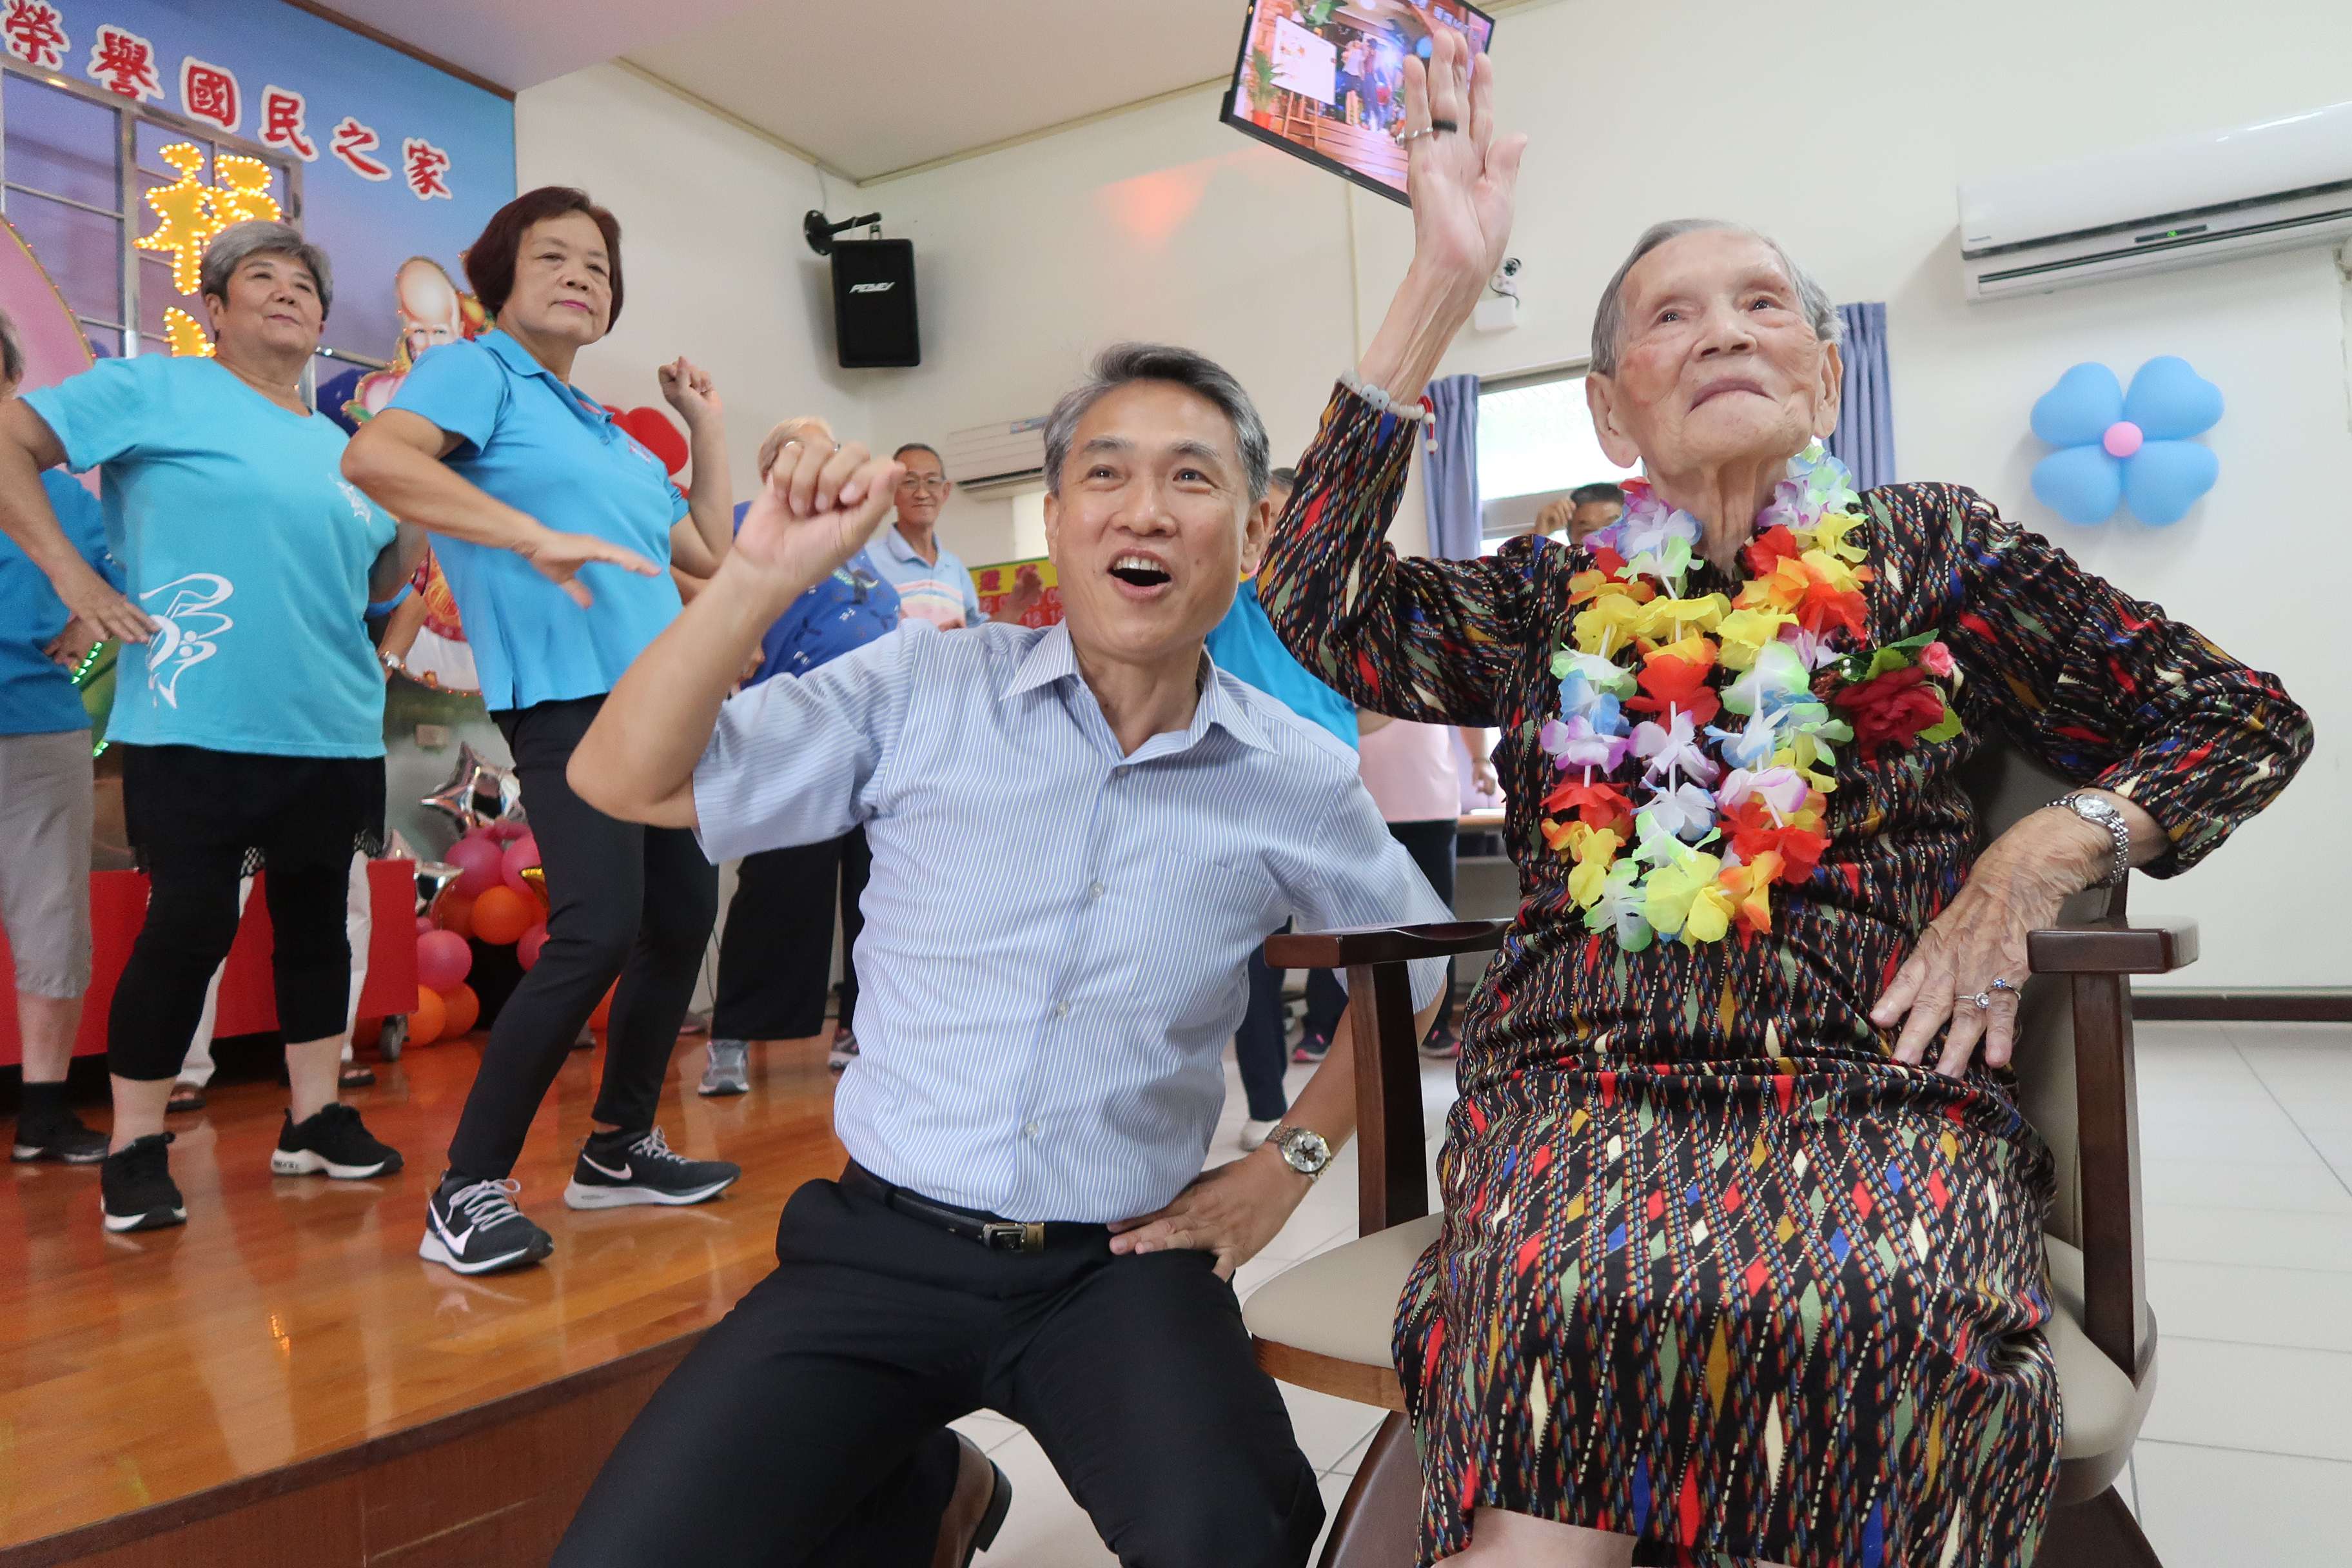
x,y
1741,1251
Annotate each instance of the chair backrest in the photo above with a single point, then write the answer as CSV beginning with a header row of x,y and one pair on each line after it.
x,y
2006,785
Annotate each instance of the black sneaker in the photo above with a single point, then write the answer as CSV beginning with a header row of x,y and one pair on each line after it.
x,y
474,1227
62,1139
619,1169
1313,1045
135,1187
1441,1044
335,1141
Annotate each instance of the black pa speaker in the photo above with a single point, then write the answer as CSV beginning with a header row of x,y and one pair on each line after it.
x,y
874,304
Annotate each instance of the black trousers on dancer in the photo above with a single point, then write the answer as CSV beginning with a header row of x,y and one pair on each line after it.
x,y
1430,845
775,956
622,899
810,1427
192,814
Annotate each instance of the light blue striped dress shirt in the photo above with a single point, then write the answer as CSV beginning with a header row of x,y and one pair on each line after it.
x,y
1055,934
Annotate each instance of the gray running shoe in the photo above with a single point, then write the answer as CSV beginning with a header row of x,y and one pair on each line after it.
x,y
844,1052
728,1071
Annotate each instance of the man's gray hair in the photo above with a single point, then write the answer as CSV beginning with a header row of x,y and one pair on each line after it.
x,y
1609,321
241,242
1122,364
12,352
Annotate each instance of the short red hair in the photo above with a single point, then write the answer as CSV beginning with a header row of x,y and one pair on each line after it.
x,y
490,260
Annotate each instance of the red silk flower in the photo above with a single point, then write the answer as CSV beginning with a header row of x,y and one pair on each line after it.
x,y
1670,681
1601,805
1754,835
1890,710
1768,549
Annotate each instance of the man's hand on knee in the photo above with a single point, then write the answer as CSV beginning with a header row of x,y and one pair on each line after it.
x,y
1232,1210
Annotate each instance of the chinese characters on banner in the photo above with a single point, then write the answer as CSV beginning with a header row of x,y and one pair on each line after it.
x,y
38,33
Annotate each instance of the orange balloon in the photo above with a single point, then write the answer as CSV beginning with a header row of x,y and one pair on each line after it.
x,y
501,915
462,1008
431,1017
454,911
602,1017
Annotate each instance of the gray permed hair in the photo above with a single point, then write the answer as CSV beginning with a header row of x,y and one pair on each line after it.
x,y
12,352
1609,321
239,242
1122,364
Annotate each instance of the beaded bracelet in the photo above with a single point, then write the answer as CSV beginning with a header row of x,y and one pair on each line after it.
x,y
1379,398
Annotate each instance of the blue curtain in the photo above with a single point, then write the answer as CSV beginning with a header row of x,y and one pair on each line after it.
x,y
1865,438
1452,471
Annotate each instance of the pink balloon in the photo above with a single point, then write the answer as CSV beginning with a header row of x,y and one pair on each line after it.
x,y
2124,438
520,856
443,960
425,923
527,950
479,863
507,832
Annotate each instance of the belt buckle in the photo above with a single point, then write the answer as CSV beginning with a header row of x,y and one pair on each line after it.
x,y
1006,1236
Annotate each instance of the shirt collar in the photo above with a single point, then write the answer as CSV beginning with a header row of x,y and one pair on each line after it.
x,y
517,359
1051,658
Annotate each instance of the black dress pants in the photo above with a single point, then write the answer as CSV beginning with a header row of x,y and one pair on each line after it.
x,y
810,1426
622,899
775,956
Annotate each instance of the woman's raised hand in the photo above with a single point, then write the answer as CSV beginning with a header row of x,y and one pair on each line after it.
x,y
687,388
820,506
1463,183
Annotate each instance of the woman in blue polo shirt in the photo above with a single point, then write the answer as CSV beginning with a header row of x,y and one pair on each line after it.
x,y
775,951
488,445
251,717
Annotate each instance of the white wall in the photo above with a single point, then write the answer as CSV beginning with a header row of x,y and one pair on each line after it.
x,y
1841,126
715,266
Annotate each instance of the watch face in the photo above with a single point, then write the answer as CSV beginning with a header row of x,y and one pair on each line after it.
x,y
1306,1151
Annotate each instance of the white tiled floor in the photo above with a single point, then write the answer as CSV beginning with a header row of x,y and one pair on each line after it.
x,y
2247,1184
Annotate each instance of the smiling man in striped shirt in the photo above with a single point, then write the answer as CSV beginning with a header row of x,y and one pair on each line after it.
x,y
1080,833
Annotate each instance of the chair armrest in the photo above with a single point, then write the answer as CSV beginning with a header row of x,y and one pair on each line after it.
x,y
2113,947
1391,1186
1356,945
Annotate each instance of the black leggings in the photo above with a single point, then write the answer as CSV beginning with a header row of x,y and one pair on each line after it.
x,y
775,957
622,899
192,815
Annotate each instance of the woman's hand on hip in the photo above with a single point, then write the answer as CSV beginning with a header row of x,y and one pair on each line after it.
x,y
91,601
1976,948
1232,1210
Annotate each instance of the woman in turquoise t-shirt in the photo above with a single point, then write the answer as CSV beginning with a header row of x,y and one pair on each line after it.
x,y
248,705
488,445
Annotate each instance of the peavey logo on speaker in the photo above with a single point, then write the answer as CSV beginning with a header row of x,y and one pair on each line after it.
x,y
873,287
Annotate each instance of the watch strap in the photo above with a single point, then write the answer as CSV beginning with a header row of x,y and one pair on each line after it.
x,y
2103,814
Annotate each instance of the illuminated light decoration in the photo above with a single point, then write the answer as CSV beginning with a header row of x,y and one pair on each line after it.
x,y
352,142
35,33
185,208
243,194
188,334
282,112
122,61
425,166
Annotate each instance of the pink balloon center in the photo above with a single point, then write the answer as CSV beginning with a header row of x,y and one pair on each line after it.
x,y
2122,439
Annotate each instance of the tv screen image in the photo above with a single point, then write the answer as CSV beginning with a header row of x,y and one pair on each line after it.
x,y
1324,79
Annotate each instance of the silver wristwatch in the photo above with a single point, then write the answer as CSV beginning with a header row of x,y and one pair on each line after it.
x,y
2102,813
1304,1151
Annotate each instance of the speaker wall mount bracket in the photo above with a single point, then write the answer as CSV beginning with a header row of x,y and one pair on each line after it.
x,y
821,231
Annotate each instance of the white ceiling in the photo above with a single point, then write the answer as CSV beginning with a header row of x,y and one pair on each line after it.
x,y
871,87
521,43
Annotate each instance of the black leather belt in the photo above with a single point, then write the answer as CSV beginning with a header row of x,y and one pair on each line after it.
x,y
996,1235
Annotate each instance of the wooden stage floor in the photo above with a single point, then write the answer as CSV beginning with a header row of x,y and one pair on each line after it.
x,y
171,1395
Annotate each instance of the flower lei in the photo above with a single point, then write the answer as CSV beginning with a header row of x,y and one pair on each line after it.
x,y
1639,681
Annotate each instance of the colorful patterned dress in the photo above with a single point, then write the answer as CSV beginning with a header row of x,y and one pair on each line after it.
x,y
1716,1271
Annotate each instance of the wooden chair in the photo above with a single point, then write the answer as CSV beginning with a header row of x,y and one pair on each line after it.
x,y
1326,1323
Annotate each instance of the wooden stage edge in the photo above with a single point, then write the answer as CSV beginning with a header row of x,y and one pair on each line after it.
x,y
258,1516
283,1384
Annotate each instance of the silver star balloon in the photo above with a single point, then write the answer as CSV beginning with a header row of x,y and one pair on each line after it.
x,y
478,792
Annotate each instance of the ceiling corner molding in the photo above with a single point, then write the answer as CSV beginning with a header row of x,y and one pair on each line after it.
x,y
1042,132
399,46
688,95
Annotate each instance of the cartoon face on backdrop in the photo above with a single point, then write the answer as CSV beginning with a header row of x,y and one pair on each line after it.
x,y
430,311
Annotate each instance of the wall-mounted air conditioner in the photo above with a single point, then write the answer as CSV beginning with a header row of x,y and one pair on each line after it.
x,y
2284,182
996,457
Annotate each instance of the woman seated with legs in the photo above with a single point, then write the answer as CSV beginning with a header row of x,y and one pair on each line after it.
x,y
1742,1252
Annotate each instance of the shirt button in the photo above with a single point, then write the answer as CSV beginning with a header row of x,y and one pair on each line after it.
x,y
1095,890
1028,1130
1062,1009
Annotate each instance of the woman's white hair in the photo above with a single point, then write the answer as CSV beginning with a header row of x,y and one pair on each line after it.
x,y
1609,321
234,245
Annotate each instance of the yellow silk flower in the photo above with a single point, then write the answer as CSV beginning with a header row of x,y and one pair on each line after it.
x,y
1830,537
1594,849
1612,623
1670,620
1744,633
1686,898
1749,884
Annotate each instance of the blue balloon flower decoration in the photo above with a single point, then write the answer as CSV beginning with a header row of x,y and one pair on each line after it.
x,y
2134,449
